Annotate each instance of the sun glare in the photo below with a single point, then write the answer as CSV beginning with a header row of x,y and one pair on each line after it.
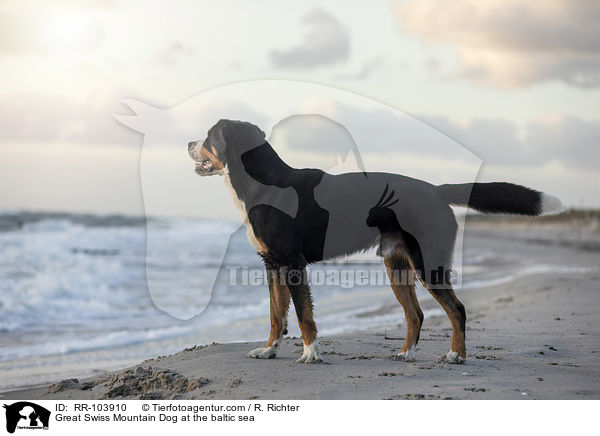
x,y
69,30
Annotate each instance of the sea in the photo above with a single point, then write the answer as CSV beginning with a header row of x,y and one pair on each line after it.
x,y
75,300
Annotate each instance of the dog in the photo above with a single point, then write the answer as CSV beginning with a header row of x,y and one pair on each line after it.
x,y
296,217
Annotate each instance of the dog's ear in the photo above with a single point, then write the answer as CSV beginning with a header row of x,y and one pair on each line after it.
x,y
215,142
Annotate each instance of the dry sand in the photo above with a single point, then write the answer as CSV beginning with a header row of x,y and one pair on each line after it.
x,y
534,338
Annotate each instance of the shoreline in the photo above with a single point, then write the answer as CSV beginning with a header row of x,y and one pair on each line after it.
x,y
536,337
507,359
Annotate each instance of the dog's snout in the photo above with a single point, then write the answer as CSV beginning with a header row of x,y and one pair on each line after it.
x,y
191,144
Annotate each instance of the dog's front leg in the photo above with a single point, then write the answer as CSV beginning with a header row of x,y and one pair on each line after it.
x,y
279,303
297,283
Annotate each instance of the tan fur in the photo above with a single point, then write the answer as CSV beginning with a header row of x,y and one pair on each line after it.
x,y
448,303
406,296
308,327
263,247
280,302
212,155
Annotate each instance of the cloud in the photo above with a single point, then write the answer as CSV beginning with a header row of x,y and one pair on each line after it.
x,y
173,53
496,141
327,42
573,141
569,140
512,43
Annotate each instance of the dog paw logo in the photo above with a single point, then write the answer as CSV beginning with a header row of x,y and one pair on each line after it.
x,y
26,415
294,277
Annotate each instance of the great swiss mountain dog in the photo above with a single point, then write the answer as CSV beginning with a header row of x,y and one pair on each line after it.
x,y
295,217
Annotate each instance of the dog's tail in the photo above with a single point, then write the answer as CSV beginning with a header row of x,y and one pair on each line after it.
x,y
500,197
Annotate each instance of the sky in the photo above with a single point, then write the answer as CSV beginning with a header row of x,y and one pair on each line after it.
x,y
515,82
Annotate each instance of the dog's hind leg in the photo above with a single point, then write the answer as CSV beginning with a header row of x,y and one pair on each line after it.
x,y
297,283
458,318
402,277
435,265
279,303
440,287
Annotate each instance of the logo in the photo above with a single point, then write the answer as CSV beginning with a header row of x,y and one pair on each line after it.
x,y
26,415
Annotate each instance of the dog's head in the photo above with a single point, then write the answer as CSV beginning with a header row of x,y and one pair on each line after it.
x,y
225,141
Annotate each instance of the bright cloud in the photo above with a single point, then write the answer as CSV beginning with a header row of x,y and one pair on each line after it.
x,y
513,42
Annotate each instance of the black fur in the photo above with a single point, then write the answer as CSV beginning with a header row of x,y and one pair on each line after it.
x,y
287,237
301,216
496,197
393,238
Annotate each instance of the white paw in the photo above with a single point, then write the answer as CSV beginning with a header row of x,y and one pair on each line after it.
x,y
264,352
407,356
311,354
453,357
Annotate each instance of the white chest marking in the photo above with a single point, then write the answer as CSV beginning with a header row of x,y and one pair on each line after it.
x,y
241,207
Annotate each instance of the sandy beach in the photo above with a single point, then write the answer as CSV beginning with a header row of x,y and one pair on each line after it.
x,y
534,337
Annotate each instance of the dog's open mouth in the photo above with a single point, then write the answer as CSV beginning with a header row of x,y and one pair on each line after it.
x,y
204,167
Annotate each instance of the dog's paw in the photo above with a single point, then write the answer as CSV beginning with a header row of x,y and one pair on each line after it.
x,y
453,357
407,356
311,354
263,353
